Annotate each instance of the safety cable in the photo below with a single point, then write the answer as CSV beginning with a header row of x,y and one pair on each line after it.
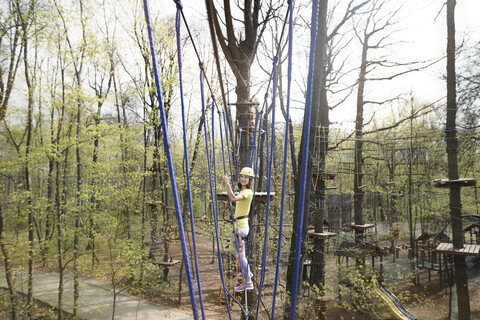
x,y
303,177
168,152
185,149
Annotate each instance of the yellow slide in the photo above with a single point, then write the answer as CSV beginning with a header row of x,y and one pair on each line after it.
x,y
394,305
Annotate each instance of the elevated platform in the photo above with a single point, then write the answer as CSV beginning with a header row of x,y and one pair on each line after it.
x,y
320,235
259,196
468,249
169,263
156,254
462,182
362,226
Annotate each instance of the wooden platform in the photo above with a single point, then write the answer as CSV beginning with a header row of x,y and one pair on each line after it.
x,y
321,235
259,196
468,249
156,254
462,182
167,263
363,226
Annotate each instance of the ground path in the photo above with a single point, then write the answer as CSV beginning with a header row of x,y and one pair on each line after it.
x,y
96,300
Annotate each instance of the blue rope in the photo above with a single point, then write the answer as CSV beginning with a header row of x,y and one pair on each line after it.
x,y
171,169
252,215
255,169
237,245
213,195
269,181
229,155
252,147
303,178
216,206
285,154
185,147
224,172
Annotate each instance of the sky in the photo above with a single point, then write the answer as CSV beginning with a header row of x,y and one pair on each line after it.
x,y
426,26
421,36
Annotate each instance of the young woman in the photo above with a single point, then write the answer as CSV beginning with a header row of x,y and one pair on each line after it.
x,y
241,228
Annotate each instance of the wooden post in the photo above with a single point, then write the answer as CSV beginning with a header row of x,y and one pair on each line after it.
x,y
440,270
320,308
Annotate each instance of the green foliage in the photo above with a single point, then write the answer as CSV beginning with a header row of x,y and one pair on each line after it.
x,y
359,285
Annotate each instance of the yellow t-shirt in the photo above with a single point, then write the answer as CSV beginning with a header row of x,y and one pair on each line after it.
x,y
242,208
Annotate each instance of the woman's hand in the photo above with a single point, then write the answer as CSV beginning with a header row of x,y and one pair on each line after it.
x,y
226,180
230,193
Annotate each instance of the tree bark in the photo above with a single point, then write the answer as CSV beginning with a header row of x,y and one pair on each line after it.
x,y
452,149
358,162
15,59
25,20
319,102
308,183
240,54
7,265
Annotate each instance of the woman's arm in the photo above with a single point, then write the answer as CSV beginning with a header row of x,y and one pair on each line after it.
x,y
230,193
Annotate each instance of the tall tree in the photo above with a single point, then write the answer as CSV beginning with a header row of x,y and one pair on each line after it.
x,y
373,35
77,56
10,33
452,144
26,15
319,69
320,147
240,54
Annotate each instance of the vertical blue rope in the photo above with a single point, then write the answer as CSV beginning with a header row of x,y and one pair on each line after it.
x,y
255,167
229,204
185,148
216,200
229,155
168,152
303,178
213,195
269,182
285,154
252,147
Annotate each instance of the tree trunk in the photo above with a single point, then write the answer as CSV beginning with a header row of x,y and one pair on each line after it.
x,y
452,149
319,102
8,267
308,184
77,233
245,115
25,20
60,240
358,166
60,210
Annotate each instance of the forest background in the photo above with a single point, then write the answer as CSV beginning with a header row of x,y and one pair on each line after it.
x,y
82,169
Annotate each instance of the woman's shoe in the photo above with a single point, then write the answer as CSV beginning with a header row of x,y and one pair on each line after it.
x,y
244,286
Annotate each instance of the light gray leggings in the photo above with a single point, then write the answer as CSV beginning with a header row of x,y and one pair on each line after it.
x,y
239,245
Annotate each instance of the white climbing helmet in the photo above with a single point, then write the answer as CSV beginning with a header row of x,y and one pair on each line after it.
x,y
247,171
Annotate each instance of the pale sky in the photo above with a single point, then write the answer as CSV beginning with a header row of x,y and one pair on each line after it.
x,y
423,31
